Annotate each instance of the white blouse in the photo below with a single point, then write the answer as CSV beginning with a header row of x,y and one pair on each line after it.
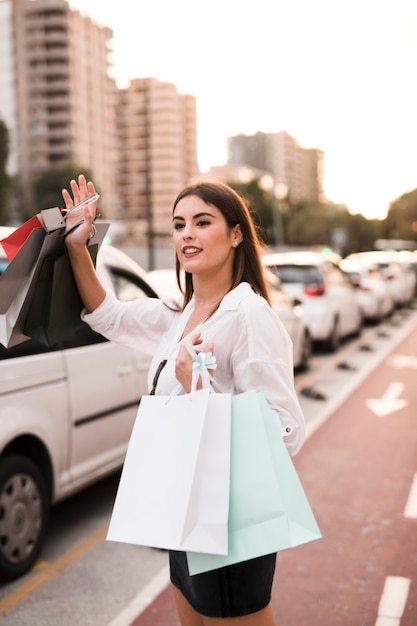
x,y
252,348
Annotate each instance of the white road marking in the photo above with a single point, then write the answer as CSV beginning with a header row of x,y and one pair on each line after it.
x,y
402,361
410,511
393,600
143,599
390,401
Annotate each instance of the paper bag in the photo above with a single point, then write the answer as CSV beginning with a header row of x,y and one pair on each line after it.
x,y
269,510
18,271
174,487
53,244
55,306
47,221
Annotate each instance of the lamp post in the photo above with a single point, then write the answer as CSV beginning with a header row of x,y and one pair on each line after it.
x,y
278,192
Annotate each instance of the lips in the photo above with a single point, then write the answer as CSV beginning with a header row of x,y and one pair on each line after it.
x,y
190,250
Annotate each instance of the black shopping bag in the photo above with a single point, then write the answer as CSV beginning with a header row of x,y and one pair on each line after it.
x,y
53,246
55,307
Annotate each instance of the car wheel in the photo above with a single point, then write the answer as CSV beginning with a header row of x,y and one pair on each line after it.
x,y
333,342
23,515
306,353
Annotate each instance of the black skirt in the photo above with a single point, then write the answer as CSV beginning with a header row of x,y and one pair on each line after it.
x,y
230,591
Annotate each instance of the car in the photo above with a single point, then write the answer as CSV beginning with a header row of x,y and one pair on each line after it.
x,y
400,275
372,290
326,292
66,415
408,259
289,312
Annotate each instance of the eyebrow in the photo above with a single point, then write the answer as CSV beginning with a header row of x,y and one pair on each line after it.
x,y
195,217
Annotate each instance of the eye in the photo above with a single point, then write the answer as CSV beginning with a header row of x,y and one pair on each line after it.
x,y
203,223
178,226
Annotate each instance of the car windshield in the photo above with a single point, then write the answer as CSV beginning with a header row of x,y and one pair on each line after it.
x,y
304,274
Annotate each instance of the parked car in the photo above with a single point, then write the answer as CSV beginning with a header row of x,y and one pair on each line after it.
x,y
326,292
372,289
400,276
66,415
290,313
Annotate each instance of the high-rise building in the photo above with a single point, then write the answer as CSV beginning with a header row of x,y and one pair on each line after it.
x,y
157,132
299,170
58,99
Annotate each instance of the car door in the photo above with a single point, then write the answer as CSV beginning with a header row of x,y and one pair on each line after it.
x,y
105,387
343,296
106,382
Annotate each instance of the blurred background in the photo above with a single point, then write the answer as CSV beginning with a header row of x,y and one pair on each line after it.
x,y
308,109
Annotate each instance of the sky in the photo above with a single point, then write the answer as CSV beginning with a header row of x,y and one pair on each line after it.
x,y
338,75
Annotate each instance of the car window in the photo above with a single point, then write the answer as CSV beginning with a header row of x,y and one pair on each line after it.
x,y
25,349
305,274
129,286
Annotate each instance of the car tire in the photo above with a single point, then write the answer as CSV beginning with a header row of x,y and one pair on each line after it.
x,y
23,515
333,342
306,353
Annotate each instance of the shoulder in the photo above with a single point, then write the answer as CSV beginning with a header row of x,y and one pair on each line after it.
x,y
242,297
244,300
250,310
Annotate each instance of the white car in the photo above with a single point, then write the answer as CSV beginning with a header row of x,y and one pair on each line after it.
x,y
372,290
291,314
66,414
400,276
327,294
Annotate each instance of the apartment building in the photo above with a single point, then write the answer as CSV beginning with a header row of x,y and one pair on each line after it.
x,y
297,169
58,99
157,131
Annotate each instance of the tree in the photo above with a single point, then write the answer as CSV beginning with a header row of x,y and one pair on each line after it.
x,y
49,184
259,202
315,224
401,221
4,178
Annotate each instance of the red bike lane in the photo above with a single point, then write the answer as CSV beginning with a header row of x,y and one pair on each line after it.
x,y
357,470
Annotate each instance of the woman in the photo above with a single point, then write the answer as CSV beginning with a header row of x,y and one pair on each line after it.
x,y
226,311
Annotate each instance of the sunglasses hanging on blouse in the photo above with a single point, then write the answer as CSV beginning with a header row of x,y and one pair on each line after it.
x,y
156,377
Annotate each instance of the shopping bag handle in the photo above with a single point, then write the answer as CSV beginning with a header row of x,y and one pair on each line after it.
x,y
202,363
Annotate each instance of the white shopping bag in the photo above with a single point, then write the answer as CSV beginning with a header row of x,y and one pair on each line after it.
x,y
174,487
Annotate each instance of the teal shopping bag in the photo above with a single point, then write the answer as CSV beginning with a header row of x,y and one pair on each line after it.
x,y
268,509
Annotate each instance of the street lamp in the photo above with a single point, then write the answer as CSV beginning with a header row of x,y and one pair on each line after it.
x,y
278,192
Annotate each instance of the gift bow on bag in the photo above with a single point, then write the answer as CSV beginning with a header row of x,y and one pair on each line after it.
x,y
269,510
174,487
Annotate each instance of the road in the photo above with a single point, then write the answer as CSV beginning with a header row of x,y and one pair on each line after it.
x,y
358,467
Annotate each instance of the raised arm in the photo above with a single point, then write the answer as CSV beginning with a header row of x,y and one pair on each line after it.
x,y
91,290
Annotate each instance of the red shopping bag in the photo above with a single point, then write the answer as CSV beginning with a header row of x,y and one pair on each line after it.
x,y
48,220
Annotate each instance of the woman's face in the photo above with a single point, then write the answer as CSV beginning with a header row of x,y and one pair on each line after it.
x,y
203,241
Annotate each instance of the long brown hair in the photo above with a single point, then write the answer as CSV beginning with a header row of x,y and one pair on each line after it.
x,y
247,266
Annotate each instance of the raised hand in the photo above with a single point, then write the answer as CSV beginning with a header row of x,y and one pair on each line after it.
x,y
79,222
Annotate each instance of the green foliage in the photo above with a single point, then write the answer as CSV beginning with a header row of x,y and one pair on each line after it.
x,y
48,186
401,221
259,202
5,181
310,224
